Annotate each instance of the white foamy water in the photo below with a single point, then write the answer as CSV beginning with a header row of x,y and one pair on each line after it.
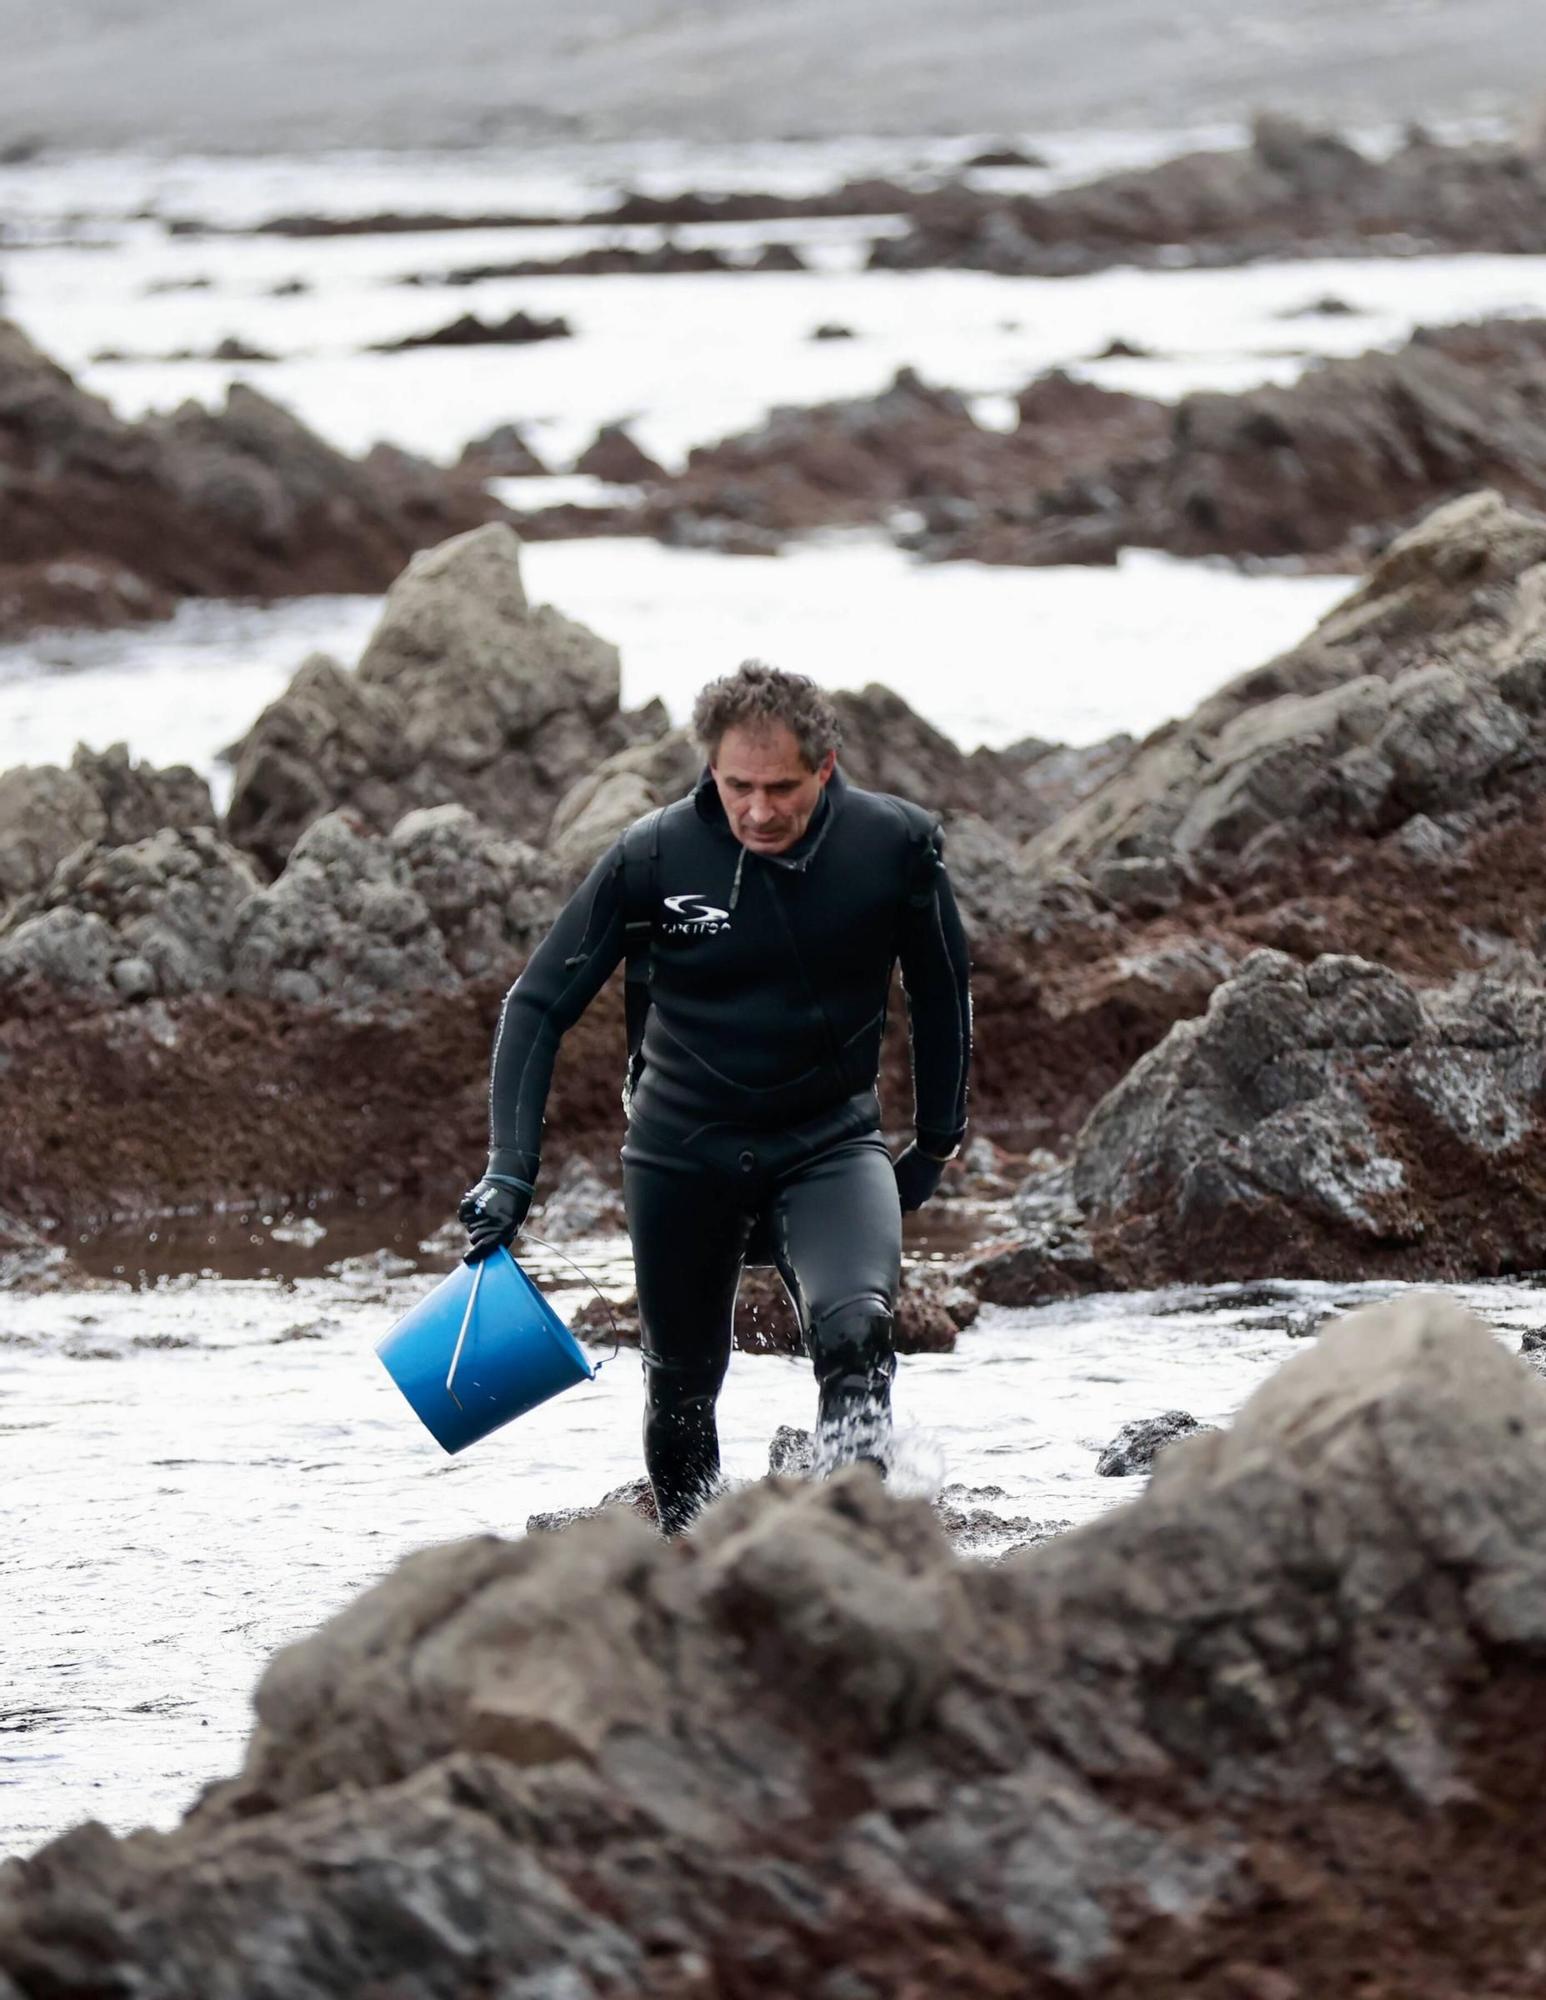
x,y
987,655
200,1472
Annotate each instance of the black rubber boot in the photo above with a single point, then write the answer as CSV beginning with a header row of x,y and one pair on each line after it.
x,y
681,1444
853,1349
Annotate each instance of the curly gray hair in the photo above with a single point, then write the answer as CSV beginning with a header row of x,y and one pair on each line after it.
x,y
757,696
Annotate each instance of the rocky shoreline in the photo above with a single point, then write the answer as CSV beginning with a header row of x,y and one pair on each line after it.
x,y
1253,1737
1260,995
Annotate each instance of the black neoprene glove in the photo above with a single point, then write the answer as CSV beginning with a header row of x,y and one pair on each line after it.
x,y
492,1212
918,1174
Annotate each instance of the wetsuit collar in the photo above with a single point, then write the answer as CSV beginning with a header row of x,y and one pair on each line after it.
x,y
799,857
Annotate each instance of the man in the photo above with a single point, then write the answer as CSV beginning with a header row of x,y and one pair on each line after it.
x,y
762,917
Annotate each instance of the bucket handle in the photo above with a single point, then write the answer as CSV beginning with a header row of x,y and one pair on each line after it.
x,y
472,1301
461,1338
617,1338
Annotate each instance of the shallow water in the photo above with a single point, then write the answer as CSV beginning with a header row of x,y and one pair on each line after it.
x,y
202,1471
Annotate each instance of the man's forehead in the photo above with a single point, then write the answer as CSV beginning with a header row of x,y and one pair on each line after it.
x,y
767,753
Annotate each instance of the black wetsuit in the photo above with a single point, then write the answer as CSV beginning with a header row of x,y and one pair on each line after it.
x,y
755,1104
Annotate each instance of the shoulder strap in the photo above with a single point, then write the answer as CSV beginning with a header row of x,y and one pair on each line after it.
x,y
925,837
641,850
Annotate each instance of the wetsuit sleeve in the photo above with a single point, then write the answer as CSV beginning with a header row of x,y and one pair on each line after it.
x,y
936,976
562,977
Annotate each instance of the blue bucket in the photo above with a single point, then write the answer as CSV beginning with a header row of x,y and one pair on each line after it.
x,y
485,1346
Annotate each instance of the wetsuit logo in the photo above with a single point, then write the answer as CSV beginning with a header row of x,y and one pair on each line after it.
x,y
693,916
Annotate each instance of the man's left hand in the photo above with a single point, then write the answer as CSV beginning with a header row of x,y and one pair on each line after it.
x,y
492,1214
918,1174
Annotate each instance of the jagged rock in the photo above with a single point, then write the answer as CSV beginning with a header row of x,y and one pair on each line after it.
x,y
1299,1657
1419,691
520,329
364,923
1136,1445
1327,467
492,900
621,788
343,925
1325,1120
613,455
46,811
503,453
168,904
464,695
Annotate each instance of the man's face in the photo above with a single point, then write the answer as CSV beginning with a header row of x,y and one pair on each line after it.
x,y
766,787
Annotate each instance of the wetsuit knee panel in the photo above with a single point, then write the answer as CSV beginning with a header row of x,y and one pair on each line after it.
x,y
854,1337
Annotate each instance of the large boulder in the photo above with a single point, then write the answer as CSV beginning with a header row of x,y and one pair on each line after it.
x,y
1326,1120
465,695
46,811
1425,690
1230,1726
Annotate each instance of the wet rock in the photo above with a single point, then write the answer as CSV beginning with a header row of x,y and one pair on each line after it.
x,y
521,329
1006,156
503,453
1325,468
1320,1120
465,694
601,260
1037,1271
845,1747
1136,1445
109,521
1293,192
888,747
613,455
1412,694
777,257
47,811
931,1310
634,1497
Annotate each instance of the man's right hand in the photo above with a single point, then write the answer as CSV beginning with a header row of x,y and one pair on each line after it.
x,y
492,1213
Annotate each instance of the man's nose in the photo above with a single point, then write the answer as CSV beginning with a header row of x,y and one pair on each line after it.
x,y
760,812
